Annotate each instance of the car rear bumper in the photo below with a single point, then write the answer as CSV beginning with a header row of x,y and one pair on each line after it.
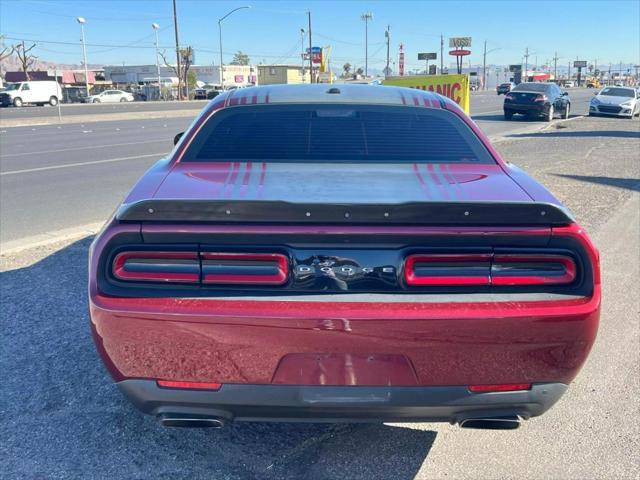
x,y
540,109
340,403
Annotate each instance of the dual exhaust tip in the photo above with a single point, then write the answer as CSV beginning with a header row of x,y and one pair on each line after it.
x,y
191,421
198,421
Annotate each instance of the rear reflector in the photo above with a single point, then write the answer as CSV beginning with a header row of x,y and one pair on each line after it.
x,y
157,266
244,268
503,387
488,269
189,385
448,269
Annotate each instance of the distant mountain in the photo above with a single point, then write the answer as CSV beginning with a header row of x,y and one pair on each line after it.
x,y
12,64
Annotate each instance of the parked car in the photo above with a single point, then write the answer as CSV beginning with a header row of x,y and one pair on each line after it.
x,y
341,253
537,100
211,94
37,93
111,96
618,101
505,88
569,84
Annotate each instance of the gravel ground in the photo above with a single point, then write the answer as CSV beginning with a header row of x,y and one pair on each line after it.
x,y
63,418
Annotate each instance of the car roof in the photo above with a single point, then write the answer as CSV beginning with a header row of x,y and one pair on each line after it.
x,y
336,93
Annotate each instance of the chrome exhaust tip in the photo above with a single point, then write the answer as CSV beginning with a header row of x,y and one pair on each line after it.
x,y
491,423
190,421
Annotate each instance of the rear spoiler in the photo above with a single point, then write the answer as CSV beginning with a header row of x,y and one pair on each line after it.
x,y
413,213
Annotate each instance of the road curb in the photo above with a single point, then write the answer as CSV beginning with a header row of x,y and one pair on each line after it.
x,y
48,238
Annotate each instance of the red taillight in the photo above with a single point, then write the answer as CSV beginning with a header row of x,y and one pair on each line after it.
x,y
448,269
189,385
502,387
244,268
541,98
488,269
532,270
508,96
157,266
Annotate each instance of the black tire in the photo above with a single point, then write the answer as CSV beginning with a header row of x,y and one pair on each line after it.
x,y
97,100
17,102
550,113
508,115
567,109
122,100
53,101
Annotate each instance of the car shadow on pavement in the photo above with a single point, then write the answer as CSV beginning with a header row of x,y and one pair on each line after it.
x,y
626,183
64,418
580,133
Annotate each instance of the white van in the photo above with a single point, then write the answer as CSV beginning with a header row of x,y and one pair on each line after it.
x,y
38,93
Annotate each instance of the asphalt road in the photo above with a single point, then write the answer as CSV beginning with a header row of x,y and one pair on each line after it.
x,y
33,112
63,418
45,169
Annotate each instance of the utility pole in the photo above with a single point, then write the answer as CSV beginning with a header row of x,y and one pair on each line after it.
x,y
484,67
526,64
441,54
310,57
175,30
555,66
569,71
366,17
155,27
387,34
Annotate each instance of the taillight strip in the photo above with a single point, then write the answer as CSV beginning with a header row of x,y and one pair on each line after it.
x,y
489,269
448,269
538,269
244,268
157,266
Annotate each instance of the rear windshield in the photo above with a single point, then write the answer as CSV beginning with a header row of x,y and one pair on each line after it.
x,y
618,92
336,133
532,87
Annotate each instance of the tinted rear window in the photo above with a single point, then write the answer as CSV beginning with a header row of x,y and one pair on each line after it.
x,y
532,87
336,133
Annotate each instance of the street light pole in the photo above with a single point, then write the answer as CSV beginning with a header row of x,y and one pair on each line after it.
x,y
220,39
82,21
302,32
155,27
366,17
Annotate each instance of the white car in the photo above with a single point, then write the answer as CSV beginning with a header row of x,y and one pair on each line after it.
x,y
569,84
111,96
618,101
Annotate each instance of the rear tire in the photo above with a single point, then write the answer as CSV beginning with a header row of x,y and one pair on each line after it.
x,y
53,101
122,100
565,114
96,101
508,115
549,116
17,102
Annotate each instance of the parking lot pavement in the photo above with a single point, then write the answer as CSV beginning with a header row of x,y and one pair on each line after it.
x,y
63,418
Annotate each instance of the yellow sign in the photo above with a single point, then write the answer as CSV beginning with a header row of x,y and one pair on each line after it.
x,y
456,87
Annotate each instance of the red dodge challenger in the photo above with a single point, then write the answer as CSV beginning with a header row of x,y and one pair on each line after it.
x,y
341,253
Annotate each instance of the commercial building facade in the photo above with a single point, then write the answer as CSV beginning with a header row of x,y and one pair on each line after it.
x,y
277,74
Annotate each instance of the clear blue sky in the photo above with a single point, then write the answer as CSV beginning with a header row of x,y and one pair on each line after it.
x,y
270,31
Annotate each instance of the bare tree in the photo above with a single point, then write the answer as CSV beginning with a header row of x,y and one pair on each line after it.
x,y
5,51
26,59
186,59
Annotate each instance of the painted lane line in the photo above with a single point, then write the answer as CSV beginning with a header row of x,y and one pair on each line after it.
x,y
88,147
82,164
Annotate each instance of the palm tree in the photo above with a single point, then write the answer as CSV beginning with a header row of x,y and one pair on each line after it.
x,y
346,68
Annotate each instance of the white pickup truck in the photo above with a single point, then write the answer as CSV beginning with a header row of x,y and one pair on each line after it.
x,y
38,93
